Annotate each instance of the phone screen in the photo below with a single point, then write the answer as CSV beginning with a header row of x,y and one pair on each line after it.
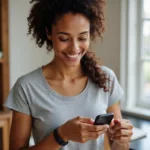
x,y
103,119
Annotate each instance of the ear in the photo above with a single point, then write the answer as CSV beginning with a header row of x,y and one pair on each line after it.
x,y
48,35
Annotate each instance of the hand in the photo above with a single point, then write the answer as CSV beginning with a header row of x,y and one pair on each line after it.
x,y
81,129
120,131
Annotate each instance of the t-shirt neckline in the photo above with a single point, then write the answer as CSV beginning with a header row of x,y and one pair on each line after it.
x,y
80,95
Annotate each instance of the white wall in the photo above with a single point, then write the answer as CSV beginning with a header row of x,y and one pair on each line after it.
x,y
26,56
109,50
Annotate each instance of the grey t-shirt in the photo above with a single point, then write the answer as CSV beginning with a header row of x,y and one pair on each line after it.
x,y
32,95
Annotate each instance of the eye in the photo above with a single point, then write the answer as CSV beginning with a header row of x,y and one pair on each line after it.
x,y
63,39
82,39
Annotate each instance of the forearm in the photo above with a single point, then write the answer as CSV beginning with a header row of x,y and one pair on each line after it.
x,y
115,146
48,143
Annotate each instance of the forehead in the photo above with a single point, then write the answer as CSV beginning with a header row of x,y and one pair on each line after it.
x,y
72,23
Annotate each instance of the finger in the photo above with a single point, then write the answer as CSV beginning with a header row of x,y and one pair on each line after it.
x,y
121,139
126,120
123,132
85,120
117,121
95,135
86,127
122,125
93,128
112,123
83,140
100,127
111,131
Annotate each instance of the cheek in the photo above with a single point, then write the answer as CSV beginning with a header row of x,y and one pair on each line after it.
x,y
86,45
59,46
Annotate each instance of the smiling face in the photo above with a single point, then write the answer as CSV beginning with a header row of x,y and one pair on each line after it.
x,y
71,38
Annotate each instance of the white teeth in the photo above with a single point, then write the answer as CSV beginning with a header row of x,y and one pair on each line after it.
x,y
73,56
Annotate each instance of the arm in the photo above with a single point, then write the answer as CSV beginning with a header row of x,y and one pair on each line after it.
x,y
120,144
20,135
79,129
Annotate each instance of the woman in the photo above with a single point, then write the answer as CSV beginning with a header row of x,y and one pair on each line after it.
x,y
59,101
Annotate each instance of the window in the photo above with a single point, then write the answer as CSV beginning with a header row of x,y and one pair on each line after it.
x,y
144,58
135,55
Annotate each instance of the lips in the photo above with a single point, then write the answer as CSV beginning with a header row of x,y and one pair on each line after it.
x,y
72,57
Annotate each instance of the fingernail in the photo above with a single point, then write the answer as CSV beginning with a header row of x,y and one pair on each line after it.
x,y
107,126
91,120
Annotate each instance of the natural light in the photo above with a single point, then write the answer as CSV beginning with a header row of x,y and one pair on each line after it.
x,y
146,52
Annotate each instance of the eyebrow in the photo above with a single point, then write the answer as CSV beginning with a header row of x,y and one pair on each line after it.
x,y
69,34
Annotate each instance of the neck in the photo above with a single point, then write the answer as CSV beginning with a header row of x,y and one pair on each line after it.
x,y
65,72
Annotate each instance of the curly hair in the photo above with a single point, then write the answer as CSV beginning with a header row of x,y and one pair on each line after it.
x,y
45,13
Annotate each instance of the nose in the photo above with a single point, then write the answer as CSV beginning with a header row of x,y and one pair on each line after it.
x,y
75,48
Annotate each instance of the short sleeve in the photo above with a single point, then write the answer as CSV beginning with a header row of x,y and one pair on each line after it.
x,y
17,99
116,92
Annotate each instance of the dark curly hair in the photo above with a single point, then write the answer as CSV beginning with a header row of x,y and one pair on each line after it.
x,y
45,13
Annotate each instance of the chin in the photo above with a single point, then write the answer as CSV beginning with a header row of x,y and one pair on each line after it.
x,y
75,64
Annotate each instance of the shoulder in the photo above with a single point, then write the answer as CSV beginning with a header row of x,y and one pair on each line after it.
x,y
29,78
109,72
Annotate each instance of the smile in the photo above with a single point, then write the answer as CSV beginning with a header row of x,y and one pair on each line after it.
x,y
73,56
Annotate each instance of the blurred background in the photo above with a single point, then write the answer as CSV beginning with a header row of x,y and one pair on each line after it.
x,y
125,49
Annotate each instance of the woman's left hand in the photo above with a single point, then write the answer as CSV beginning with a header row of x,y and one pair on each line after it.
x,y
120,131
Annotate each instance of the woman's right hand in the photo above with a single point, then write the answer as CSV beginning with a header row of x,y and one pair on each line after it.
x,y
81,129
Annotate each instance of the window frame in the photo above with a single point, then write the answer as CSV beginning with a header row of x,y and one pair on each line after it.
x,y
142,19
131,30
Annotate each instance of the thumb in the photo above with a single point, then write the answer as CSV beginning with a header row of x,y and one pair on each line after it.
x,y
112,123
85,120
116,121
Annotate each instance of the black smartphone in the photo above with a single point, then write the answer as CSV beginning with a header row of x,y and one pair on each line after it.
x,y
103,119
